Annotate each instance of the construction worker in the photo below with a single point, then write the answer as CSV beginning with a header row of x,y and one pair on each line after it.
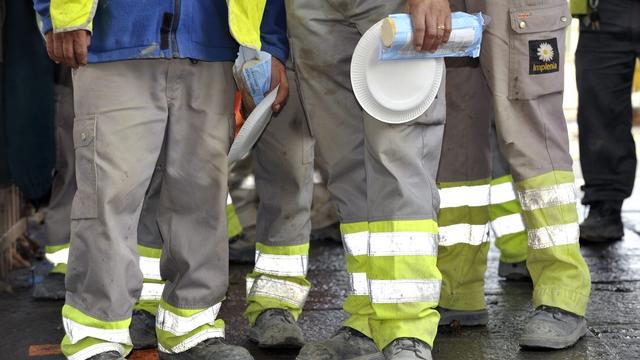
x,y
377,175
179,91
277,288
519,75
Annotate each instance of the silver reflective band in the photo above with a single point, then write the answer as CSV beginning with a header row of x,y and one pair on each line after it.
x,y
150,268
502,193
58,257
181,325
404,291
477,195
403,243
555,235
547,197
506,225
356,243
229,201
76,332
151,291
96,349
283,290
281,265
464,234
193,340
358,284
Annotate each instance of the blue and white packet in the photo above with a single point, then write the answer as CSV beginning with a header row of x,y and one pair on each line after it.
x,y
252,71
465,39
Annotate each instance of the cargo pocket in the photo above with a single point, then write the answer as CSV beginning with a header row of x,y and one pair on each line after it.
x,y
85,202
536,50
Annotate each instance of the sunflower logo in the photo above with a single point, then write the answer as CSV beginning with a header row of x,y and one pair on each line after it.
x,y
545,52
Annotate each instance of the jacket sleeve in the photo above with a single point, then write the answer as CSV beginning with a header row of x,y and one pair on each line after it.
x,y
69,15
42,8
273,30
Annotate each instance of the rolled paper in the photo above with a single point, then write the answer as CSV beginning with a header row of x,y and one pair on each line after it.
x,y
465,39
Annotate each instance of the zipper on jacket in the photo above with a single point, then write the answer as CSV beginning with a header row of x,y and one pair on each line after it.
x,y
165,29
174,28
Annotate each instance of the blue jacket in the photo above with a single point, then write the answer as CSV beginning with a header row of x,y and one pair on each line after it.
x,y
196,29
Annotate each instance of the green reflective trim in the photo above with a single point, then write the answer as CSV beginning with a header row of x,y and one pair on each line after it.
x,y
180,312
59,269
546,180
502,180
169,340
426,225
514,248
302,249
257,304
556,215
403,268
561,278
149,252
234,228
150,306
356,264
413,320
504,209
352,228
474,215
463,267
452,184
78,316
154,281
50,249
360,310
69,349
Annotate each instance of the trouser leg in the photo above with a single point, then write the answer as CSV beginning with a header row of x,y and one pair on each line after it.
x,y
463,178
532,135
505,211
57,225
605,63
387,216
284,183
193,222
116,148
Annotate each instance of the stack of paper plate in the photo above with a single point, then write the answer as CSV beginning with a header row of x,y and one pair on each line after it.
x,y
252,128
392,91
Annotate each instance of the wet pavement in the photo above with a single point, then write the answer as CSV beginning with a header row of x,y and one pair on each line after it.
x,y
31,329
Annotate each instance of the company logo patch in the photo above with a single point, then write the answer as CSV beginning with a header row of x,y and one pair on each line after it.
x,y
544,56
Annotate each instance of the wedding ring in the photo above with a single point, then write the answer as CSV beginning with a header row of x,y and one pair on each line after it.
x,y
441,27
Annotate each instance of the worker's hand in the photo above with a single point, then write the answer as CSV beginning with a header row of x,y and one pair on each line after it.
x,y
69,48
431,23
279,77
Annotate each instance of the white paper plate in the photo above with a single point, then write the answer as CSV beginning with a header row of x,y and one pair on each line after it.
x,y
395,91
252,128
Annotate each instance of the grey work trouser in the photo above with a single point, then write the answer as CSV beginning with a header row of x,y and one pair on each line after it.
x,y
519,78
381,176
123,111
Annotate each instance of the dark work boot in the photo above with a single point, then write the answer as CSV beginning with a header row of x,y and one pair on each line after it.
x,y
514,271
604,223
212,349
242,249
109,355
553,328
143,330
407,349
345,344
277,329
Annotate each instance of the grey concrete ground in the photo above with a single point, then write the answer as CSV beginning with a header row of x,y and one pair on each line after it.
x,y
614,311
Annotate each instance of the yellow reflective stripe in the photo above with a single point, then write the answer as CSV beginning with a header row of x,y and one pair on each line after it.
x,y
281,265
404,291
245,18
540,198
555,235
463,234
477,195
302,249
358,284
68,15
403,243
426,225
502,193
286,291
168,321
545,180
506,225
